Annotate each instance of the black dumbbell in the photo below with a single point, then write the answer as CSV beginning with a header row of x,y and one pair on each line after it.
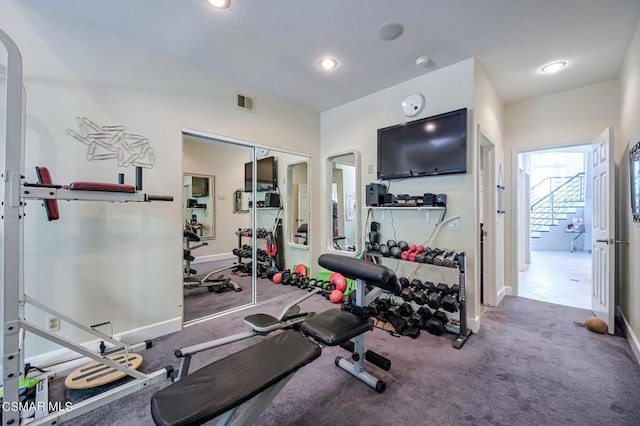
x,y
407,294
383,305
417,321
420,297
384,250
395,252
450,260
436,323
391,243
428,258
403,245
405,310
417,284
435,299
450,302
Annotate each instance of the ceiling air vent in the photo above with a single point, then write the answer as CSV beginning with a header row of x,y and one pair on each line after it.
x,y
245,102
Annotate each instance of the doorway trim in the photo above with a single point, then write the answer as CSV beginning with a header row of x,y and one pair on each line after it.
x,y
487,161
518,208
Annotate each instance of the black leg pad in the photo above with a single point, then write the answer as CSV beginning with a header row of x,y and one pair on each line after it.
x,y
231,381
335,326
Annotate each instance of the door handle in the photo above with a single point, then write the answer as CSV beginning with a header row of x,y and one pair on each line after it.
x,y
627,242
603,241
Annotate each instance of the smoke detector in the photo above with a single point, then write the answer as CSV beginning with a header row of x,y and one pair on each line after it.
x,y
423,61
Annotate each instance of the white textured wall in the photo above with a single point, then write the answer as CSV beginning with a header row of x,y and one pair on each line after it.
x,y
354,126
577,115
489,115
112,262
629,135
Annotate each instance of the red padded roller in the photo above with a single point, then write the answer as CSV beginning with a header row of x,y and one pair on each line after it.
x,y
101,186
51,206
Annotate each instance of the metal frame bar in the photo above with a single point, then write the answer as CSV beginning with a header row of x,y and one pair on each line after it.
x,y
13,298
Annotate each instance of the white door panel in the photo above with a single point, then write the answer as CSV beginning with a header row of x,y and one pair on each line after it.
x,y
603,248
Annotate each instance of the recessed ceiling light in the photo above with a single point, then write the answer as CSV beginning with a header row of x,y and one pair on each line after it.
x,y
553,67
328,63
220,4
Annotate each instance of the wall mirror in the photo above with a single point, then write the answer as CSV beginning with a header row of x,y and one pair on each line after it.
x,y
198,198
298,205
343,183
214,280
256,210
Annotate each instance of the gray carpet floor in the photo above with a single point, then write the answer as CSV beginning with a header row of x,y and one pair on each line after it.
x,y
528,365
199,302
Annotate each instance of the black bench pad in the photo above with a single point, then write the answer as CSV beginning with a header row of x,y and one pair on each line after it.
x,y
231,381
335,326
351,267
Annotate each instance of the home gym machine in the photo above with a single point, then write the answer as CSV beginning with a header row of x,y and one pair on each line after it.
x,y
14,323
258,373
215,284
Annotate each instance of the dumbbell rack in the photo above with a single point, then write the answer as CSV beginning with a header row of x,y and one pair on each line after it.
x,y
246,266
464,332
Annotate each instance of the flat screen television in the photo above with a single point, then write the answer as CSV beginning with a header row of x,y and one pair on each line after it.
x,y
426,147
634,184
266,175
199,186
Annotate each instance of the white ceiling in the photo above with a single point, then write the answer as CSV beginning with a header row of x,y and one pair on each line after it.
x,y
275,45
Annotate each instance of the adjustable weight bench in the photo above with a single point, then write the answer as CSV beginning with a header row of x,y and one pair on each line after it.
x,y
259,372
259,325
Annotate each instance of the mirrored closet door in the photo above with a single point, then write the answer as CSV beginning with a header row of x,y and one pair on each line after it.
x,y
246,216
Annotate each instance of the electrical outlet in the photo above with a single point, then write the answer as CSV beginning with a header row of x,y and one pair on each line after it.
x,y
370,169
428,217
52,323
454,225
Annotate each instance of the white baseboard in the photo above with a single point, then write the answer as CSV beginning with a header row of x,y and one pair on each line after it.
x,y
508,290
631,336
129,337
213,257
501,295
473,324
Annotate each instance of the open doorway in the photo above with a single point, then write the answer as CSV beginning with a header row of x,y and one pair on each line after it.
x,y
555,216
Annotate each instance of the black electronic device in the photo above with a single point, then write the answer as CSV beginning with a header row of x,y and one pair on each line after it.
x,y
429,199
440,200
272,199
388,198
266,175
375,226
430,146
375,194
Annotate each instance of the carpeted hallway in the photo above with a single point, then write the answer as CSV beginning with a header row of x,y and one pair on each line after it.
x,y
528,365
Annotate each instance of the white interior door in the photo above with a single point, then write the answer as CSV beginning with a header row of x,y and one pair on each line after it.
x,y
603,241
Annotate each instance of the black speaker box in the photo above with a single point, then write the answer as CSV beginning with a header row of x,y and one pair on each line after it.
x,y
272,199
429,199
375,194
441,200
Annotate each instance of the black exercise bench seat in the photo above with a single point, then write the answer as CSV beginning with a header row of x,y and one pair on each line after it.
x,y
225,384
358,269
